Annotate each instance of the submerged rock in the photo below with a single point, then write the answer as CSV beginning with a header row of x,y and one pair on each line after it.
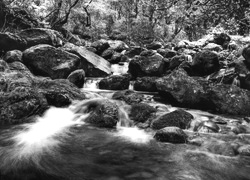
x,y
178,118
171,135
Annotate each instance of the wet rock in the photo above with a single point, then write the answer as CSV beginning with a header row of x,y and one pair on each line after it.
x,y
171,135
178,118
133,51
59,92
180,89
103,113
20,104
205,63
167,53
213,47
45,60
225,76
246,54
141,112
12,56
10,41
154,45
152,65
147,84
114,82
244,150
222,39
100,46
37,36
229,99
77,77
92,64
129,96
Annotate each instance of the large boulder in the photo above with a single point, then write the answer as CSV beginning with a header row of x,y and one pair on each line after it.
x,y
103,113
37,36
178,118
58,92
180,89
205,63
229,99
46,60
114,82
171,135
148,65
129,96
10,41
20,105
145,84
92,64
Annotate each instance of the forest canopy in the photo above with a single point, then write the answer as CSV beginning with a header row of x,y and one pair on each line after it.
x,y
137,21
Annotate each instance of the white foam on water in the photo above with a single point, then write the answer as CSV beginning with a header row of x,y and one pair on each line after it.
x,y
134,135
41,135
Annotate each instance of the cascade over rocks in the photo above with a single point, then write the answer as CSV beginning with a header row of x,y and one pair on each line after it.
x,y
114,82
103,113
147,65
178,118
92,64
46,60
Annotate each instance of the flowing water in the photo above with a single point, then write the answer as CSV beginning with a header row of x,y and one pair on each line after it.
x,y
61,145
